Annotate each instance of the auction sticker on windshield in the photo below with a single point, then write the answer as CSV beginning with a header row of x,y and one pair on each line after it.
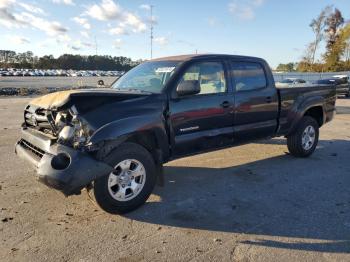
x,y
165,69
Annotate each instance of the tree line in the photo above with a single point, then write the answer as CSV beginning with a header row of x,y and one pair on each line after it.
x,y
332,29
11,59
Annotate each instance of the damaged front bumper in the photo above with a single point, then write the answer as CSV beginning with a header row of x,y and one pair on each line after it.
x,y
59,166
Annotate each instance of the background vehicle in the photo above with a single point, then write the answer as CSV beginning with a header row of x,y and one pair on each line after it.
x,y
340,82
58,72
291,82
343,85
162,110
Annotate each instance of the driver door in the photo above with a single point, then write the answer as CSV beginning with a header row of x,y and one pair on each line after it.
x,y
202,121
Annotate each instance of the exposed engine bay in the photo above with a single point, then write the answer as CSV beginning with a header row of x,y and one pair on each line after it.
x,y
60,115
67,127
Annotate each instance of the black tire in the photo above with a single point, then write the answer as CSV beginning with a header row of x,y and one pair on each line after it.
x,y
294,141
121,153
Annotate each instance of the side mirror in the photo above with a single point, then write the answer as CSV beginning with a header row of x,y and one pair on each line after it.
x,y
100,83
189,87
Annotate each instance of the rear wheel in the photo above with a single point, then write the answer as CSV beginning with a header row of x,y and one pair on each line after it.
x,y
303,142
131,182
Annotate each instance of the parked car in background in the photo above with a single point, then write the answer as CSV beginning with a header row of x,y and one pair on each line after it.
x,y
327,81
340,82
293,81
290,82
343,85
3,73
58,72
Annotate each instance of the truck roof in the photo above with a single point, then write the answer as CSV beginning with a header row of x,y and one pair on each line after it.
x,y
188,57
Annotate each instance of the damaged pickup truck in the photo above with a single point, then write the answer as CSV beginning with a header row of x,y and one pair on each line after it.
x,y
114,141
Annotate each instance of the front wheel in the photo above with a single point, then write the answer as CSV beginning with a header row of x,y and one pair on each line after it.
x,y
303,142
131,182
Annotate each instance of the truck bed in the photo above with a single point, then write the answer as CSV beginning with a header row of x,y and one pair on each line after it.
x,y
291,97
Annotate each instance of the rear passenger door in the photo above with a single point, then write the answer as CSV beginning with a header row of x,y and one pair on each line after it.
x,y
256,100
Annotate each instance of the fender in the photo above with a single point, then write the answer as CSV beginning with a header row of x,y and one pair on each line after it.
x,y
120,130
299,110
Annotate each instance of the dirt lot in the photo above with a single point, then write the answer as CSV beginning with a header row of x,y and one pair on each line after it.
x,y
249,203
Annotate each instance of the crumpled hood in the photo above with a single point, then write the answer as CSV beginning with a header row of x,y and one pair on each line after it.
x,y
60,99
53,100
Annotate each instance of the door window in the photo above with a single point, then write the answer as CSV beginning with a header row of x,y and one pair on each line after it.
x,y
210,75
248,76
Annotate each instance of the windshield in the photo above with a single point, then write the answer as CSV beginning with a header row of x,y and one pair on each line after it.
x,y
147,77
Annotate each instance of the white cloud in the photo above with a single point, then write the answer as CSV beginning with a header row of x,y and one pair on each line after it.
x,y
22,19
65,2
18,40
87,44
65,39
7,18
118,31
51,28
31,8
85,34
76,45
135,22
244,9
161,40
108,10
154,20
145,7
82,21
67,44
6,3
117,43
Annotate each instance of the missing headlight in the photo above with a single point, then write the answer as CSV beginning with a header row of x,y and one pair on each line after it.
x,y
66,134
75,131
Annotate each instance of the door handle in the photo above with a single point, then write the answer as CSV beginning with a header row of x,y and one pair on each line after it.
x,y
268,99
225,104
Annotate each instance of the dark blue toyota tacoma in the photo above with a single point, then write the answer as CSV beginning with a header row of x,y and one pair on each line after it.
x,y
114,141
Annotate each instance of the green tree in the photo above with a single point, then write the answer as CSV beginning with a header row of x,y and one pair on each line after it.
x,y
318,26
338,50
333,27
289,67
10,59
306,64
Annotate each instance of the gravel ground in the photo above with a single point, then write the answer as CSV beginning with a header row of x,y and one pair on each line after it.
x,y
248,203
52,82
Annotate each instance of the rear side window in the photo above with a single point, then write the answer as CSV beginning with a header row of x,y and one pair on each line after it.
x,y
248,76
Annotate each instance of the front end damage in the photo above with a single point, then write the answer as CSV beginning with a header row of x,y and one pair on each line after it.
x,y
55,142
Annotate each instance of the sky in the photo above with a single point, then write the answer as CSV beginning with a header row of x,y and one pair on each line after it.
x,y
275,30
